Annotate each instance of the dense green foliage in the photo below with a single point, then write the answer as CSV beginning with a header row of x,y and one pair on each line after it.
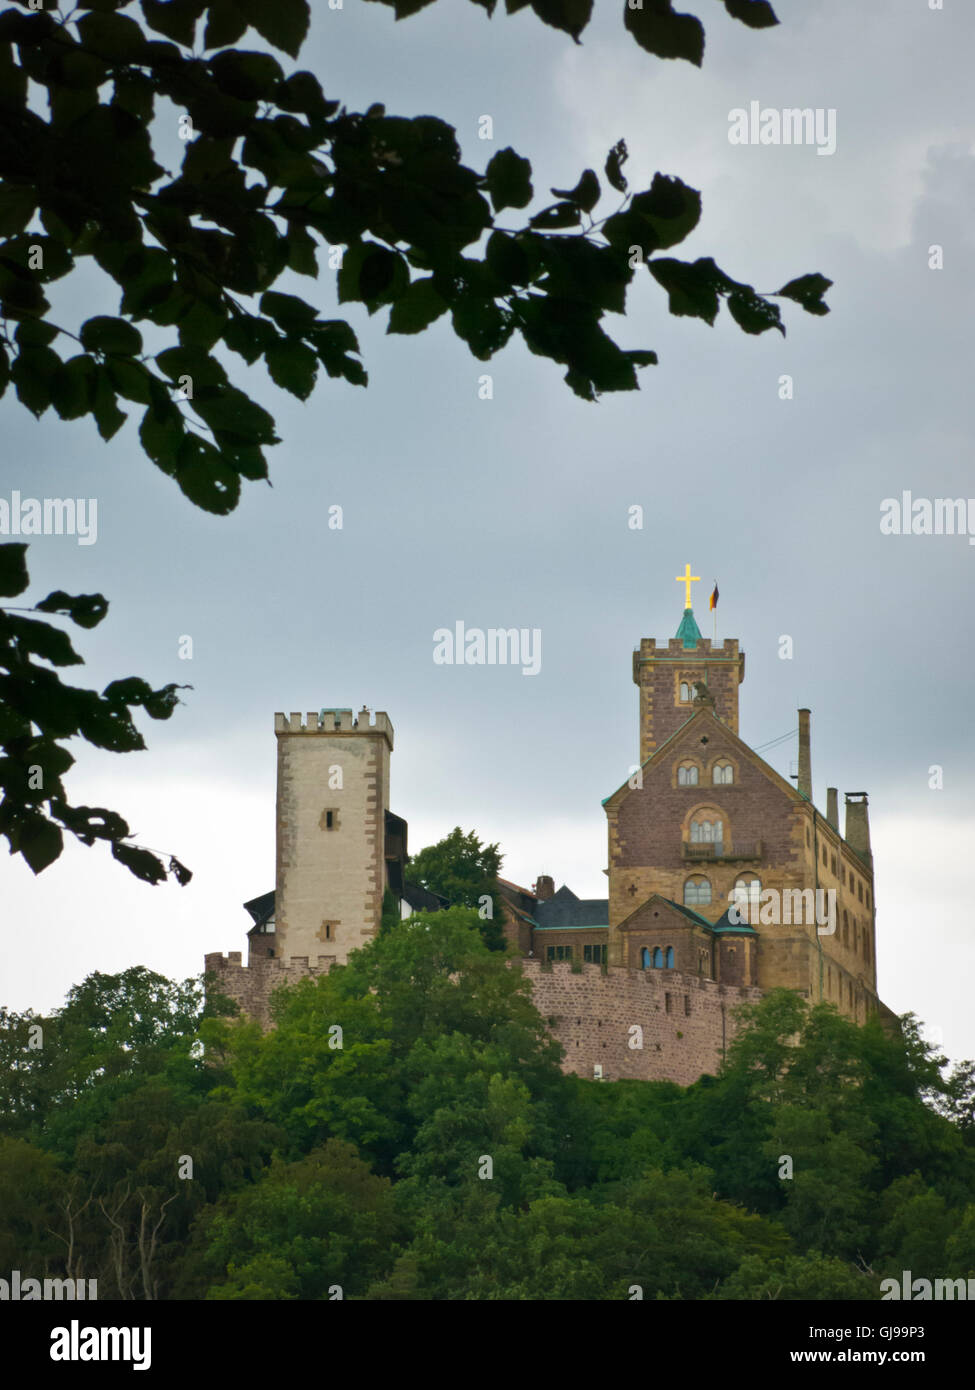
x,y
276,178
405,1132
465,872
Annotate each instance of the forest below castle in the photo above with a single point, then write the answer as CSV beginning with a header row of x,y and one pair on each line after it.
x,y
405,1132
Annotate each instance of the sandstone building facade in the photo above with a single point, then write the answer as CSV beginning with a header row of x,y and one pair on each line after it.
x,y
724,879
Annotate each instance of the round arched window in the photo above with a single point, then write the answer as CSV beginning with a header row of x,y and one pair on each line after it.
x,y
697,892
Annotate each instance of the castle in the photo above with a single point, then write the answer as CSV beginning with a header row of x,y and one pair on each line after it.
x,y
724,879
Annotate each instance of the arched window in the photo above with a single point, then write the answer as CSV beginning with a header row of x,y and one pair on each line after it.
x,y
645,958
722,774
697,892
687,775
686,692
705,831
658,958
670,957
747,895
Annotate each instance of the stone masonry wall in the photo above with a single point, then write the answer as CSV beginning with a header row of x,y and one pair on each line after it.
x,y
590,1013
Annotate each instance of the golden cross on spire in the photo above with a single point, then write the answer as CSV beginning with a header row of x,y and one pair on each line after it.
x,y
687,579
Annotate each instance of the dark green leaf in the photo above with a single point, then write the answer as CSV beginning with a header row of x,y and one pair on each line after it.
x,y
247,76
509,180
282,22
104,406
140,862
205,477
174,18
13,569
225,24
32,374
17,203
87,610
671,208
571,16
615,160
808,290
752,313
43,640
40,842
585,193
73,387
294,367
287,310
693,288
301,250
416,309
757,14
105,334
112,36
558,215
233,412
659,30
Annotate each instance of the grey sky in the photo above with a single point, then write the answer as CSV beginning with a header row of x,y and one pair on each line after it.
x,y
513,511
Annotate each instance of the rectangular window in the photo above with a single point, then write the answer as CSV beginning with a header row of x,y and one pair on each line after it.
x,y
860,891
594,954
550,953
558,952
687,1003
832,864
667,1002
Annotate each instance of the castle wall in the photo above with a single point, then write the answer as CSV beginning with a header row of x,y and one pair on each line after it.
x,y
685,1020
251,986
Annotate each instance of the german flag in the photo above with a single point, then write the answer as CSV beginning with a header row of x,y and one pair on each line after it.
x,y
713,601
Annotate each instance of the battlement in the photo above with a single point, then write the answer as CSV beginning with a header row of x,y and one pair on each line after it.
x,y
648,649
251,986
336,721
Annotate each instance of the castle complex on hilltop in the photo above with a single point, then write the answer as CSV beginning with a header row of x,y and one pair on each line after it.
x,y
724,879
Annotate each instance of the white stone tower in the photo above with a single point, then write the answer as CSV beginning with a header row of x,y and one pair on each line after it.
x,y
333,794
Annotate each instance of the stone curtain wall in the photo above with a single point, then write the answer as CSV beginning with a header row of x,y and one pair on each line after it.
x,y
590,1013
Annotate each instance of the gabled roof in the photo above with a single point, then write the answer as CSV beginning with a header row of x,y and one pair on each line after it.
x,y
688,912
709,718
564,909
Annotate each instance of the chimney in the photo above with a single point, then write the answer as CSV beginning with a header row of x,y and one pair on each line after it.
x,y
805,768
544,887
858,825
833,808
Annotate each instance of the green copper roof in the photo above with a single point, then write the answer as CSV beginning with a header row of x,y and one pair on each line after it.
x,y
689,632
